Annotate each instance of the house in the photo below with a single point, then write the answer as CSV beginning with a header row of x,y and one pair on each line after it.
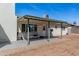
x,y
12,26
34,27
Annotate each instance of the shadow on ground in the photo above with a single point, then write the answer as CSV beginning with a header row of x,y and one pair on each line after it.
x,y
4,40
43,38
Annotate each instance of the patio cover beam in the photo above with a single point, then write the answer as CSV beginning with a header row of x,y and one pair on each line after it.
x,y
44,20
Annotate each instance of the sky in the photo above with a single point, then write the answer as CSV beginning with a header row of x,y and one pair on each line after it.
x,y
68,12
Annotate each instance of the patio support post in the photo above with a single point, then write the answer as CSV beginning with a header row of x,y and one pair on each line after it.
x,y
28,33
48,31
61,30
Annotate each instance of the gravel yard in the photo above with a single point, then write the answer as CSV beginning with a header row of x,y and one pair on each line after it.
x,y
67,46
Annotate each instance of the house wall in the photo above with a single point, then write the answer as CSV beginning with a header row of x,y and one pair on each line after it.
x,y
8,21
65,31
40,30
55,32
69,29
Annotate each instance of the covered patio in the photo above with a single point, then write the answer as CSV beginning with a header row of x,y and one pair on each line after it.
x,y
33,28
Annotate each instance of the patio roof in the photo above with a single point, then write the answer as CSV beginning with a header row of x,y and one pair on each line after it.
x,y
42,19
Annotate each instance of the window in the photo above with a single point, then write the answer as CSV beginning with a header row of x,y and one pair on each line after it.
x,y
56,26
23,27
43,27
35,28
32,27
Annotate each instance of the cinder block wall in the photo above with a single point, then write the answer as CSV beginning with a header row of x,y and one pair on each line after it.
x,y
75,29
8,22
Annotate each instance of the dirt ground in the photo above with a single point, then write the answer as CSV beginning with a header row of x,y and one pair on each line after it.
x,y
67,46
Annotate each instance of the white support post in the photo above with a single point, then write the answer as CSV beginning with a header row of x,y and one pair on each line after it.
x,y
48,31
61,30
28,33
